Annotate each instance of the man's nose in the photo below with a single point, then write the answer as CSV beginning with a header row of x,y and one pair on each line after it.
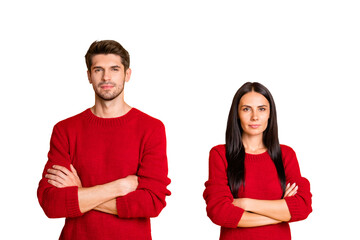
x,y
106,76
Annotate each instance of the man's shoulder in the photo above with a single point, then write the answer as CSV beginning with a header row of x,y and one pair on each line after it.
x,y
147,120
71,121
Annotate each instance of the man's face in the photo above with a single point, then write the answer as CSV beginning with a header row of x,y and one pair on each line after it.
x,y
107,75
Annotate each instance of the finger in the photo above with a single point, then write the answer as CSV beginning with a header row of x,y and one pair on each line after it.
x,y
293,192
286,194
289,189
135,177
55,178
76,177
55,183
57,173
73,170
63,169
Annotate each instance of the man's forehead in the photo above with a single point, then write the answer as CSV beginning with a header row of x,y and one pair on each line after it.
x,y
106,60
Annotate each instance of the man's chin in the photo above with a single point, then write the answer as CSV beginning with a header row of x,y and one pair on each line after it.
x,y
107,97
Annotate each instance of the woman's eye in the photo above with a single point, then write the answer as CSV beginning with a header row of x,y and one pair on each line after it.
x,y
246,109
262,109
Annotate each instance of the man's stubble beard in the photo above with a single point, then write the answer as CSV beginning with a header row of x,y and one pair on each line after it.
x,y
110,96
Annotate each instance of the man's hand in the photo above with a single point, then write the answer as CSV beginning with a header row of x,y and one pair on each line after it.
x,y
127,184
61,177
100,197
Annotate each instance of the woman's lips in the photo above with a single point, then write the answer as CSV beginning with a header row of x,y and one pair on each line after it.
x,y
254,125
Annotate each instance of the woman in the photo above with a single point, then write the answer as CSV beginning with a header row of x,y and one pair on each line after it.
x,y
255,187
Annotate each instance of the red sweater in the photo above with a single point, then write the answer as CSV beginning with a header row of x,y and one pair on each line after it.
x,y
103,150
261,182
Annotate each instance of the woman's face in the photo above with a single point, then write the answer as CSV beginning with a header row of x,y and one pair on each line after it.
x,y
254,113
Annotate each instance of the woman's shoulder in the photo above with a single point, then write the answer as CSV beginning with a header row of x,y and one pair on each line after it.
x,y
286,150
288,156
219,150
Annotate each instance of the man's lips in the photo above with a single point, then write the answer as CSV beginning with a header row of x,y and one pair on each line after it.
x,y
106,86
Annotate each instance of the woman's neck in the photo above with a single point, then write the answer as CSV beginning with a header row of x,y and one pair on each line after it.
x,y
253,144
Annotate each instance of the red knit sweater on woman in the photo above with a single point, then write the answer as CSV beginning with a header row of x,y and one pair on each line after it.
x,y
261,182
103,150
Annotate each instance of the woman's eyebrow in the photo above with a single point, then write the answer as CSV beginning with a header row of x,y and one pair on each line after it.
x,y
245,106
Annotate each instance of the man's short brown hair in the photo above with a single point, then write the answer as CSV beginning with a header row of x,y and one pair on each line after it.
x,y
107,47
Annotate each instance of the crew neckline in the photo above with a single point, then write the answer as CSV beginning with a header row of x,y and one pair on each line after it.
x,y
256,154
257,157
110,122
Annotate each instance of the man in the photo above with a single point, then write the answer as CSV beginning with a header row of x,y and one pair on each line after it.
x,y
107,166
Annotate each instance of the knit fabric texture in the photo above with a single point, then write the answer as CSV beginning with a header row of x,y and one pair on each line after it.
x,y
104,150
261,182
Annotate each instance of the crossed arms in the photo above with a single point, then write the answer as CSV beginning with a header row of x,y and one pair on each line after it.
x,y
228,212
61,194
100,197
265,212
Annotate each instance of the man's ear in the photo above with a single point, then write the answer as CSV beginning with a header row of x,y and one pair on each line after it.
x,y
127,74
89,76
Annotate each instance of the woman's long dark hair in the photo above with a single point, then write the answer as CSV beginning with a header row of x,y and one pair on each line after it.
x,y
235,150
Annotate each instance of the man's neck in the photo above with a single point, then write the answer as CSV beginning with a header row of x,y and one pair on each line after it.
x,y
110,109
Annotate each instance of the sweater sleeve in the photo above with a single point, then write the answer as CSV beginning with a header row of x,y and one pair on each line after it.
x,y
149,198
300,204
218,196
58,202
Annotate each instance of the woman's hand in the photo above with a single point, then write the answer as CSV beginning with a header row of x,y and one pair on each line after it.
x,y
290,190
240,202
61,177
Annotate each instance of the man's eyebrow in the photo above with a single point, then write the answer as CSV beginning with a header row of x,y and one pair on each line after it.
x,y
115,66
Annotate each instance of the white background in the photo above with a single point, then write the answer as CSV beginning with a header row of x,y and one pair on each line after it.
x,y
188,59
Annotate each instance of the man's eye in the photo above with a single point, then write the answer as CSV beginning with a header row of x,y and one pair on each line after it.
x,y
115,69
97,70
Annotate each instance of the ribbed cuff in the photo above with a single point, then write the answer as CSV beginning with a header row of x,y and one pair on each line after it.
x,y
72,202
294,207
122,207
234,217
